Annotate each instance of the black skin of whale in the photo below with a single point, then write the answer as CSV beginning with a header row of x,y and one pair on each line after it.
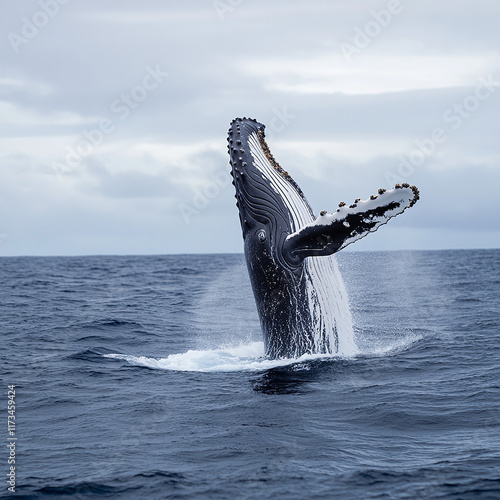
x,y
275,251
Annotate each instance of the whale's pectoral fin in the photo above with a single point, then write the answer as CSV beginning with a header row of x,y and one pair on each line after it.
x,y
329,233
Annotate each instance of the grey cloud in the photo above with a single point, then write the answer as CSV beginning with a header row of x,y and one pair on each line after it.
x,y
91,53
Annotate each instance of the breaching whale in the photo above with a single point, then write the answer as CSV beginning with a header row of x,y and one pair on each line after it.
x,y
299,292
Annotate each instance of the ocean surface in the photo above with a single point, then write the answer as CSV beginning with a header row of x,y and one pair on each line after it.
x,y
144,378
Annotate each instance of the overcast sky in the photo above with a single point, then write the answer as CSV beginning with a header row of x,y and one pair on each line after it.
x,y
114,117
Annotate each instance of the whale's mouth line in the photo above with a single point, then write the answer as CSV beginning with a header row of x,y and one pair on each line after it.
x,y
275,164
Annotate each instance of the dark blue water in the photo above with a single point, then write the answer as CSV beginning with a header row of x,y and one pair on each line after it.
x,y
141,377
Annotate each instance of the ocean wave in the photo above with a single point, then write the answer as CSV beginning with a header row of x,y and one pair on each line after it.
x,y
106,323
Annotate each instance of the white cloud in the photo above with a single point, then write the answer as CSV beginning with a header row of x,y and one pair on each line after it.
x,y
18,84
329,74
355,151
14,114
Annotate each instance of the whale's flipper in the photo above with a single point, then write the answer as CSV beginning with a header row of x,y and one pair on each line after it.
x,y
329,233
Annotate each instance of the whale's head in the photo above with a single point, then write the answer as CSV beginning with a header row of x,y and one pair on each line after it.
x,y
271,205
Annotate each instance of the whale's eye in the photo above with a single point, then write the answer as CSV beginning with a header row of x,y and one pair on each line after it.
x,y
261,235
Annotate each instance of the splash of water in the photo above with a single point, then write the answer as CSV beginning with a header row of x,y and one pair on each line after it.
x,y
226,314
249,357
246,358
329,306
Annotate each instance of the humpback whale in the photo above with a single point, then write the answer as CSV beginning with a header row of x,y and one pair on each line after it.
x,y
300,296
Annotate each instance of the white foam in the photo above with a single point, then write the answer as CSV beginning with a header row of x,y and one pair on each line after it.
x,y
249,357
